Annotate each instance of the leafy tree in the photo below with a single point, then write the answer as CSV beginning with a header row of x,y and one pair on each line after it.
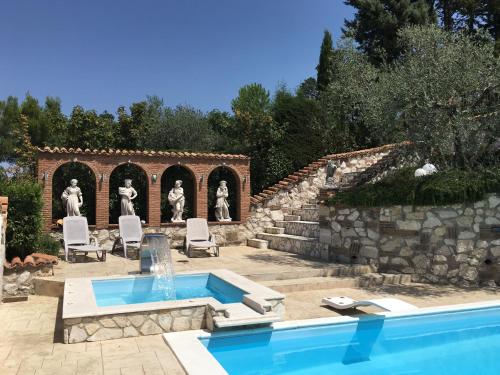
x,y
56,121
87,129
357,110
377,22
300,120
259,135
325,66
9,120
180,128
308,88
447,89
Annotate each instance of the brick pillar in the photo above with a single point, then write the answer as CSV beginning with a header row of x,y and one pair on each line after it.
x,y
102,202
47,199
154,200
201,197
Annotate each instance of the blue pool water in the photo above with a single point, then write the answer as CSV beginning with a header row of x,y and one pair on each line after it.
x,y
451,343
133,290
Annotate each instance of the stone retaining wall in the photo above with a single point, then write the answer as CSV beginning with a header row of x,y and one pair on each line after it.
x,y
108,327
458,244
18,283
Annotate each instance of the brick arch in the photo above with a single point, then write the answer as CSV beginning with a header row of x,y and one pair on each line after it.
x,y
144,215
237,179
52,174
194,180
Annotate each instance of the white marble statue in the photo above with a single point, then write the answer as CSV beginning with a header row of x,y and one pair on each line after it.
x,y
127,194
426,170
177,200
222,205
72,198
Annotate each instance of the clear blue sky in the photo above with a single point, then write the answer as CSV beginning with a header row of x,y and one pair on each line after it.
x,y
102,53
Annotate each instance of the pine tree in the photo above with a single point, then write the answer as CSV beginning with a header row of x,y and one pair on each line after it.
x,y
377,22
325,66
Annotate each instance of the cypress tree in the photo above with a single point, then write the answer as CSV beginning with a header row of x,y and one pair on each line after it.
x,y
325,66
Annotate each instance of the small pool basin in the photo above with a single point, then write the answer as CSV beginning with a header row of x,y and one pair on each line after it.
x,y
143,289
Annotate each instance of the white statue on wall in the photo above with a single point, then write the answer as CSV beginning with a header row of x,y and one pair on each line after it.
x,y
222,205
127,194
426,170
177,200
72,198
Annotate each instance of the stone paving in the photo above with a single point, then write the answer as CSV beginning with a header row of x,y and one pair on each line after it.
x,y
240,259
31,341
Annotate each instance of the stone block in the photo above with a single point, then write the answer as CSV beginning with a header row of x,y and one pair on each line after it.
x,y
150,328
369,252
465,246
106,334
77,334
130,331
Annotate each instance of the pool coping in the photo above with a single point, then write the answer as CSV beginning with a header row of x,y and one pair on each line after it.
x,y
79,300
195,358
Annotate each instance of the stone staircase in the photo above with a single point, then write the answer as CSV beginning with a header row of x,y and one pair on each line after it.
x,y
297,233
296,198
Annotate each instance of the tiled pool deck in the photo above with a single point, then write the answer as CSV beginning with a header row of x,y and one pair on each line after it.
x,y
31,338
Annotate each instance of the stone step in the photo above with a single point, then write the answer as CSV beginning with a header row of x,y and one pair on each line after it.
x,y
274,230
306,246
313,201
306,214
240,314
318,283
329,270
257,243
309,205
291,217
300,228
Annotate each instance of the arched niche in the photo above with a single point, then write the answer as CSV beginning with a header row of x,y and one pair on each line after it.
x,y
139,183
233,185
87,183
168,178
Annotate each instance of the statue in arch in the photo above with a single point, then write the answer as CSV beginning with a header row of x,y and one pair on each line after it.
x,y
127,194
177,201
222,205
72,198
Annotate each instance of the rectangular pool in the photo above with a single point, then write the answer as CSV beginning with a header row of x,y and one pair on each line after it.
x,y
125,291
454,342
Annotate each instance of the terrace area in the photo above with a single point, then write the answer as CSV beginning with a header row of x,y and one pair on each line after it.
x,y
32,338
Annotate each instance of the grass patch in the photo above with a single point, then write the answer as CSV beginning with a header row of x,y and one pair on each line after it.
x,y
403,188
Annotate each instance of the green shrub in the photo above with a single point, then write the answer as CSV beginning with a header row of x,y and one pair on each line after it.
x,y
48,245
403,188
24,225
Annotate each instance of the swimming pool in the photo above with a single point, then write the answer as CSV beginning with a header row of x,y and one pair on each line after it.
x,y
124,291
451,340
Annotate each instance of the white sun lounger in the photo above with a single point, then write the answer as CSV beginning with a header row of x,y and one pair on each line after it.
x,y
130,233
199,237
77,238
389,304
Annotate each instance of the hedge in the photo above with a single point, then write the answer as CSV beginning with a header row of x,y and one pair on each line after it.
x,y
24,223
403,188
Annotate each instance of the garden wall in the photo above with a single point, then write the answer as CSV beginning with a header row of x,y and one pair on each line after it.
x,y
458,244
